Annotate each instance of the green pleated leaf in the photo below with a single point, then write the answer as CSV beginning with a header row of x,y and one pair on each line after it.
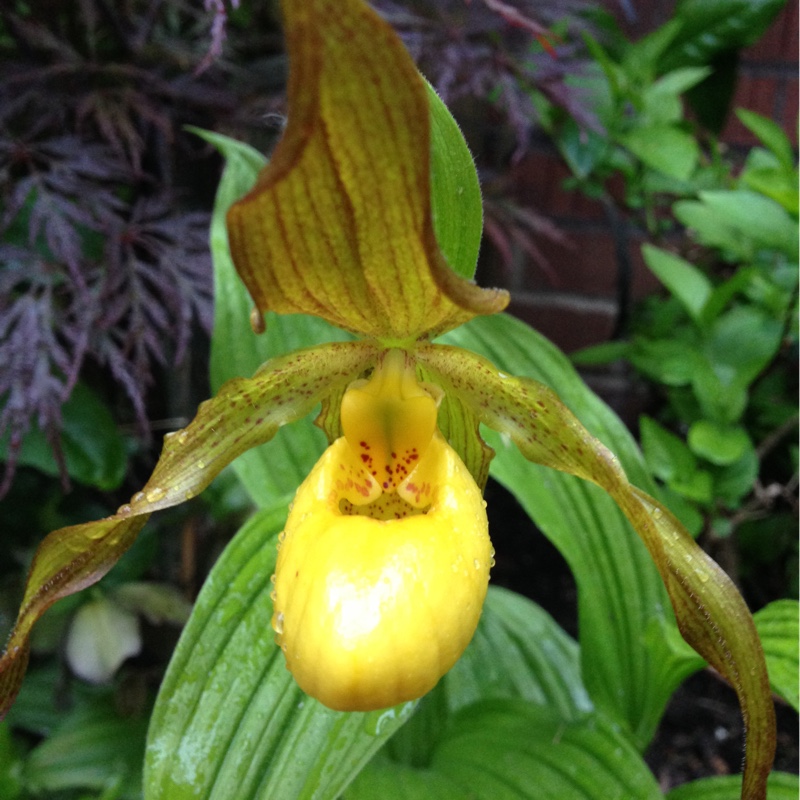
x,y
632,655
384,778
511,749
230,722
777,626
780,786
710,612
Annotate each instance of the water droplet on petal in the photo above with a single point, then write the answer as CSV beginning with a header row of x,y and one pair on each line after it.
x,y
138,498
182,437
476,563
278,623
201,465
155,494
123,511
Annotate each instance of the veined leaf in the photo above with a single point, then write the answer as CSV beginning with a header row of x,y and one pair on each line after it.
x,y
502,749
777,625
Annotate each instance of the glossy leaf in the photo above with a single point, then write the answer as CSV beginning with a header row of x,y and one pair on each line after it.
x,y
229,713
777,625
354,162
710,612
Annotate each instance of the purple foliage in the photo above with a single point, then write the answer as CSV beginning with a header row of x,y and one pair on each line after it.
x,y
97,258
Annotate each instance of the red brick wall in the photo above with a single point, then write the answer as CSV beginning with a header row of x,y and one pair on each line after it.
x,y
579,305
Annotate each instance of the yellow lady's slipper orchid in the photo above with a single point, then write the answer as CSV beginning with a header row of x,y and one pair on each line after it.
x,y
385,555
384,562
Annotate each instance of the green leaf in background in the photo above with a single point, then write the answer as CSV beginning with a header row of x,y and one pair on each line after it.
x,y
662,100
771,135
10,765
632,656
229,719
719,444
666,454
603,353
777,625
775,230
709,28
724,219
94,748
455,192
764,173
687,283
669,361
735,481
94,450
780,786
741,343
665,148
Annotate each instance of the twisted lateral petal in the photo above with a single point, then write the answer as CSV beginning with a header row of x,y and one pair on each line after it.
x,y
246,412
711,613
371,609
68,560
339,223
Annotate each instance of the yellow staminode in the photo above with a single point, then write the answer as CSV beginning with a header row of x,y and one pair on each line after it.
x,y
384,563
